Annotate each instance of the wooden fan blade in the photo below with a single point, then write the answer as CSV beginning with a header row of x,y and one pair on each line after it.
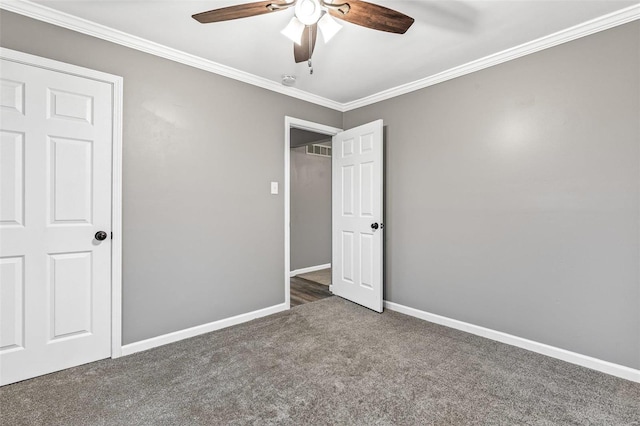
x,y
375,17
240,11
304,51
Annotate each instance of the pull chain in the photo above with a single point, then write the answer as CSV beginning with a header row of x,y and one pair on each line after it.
x,y
310,51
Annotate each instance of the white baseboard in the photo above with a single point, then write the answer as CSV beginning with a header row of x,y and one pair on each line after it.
x,y
309,269
143,345
541,348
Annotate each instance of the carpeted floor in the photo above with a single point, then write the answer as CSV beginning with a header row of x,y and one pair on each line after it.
x,y
322,276
327,362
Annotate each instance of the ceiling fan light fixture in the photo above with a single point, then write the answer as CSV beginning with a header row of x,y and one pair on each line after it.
x,y
328,27
308,11
293,31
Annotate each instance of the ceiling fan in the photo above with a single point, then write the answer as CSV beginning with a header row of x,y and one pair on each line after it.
x,y
313,14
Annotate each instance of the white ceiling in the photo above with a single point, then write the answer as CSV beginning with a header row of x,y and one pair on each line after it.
x,y
357,62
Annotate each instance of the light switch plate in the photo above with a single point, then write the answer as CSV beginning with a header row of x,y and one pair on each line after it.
x,y
274,187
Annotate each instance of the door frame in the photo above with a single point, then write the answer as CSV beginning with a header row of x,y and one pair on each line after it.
x,y
116,83
294,123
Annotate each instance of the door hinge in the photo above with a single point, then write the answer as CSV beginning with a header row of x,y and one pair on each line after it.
x,y
112,235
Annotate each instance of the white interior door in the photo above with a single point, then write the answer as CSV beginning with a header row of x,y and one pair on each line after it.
x,y
55,183
357,270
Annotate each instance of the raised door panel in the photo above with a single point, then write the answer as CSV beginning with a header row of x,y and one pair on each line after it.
x,y
367,260
11,178
70,290
65,105
12,96
366,143
348,257
347,190
11,303
366,190
70,181
347,148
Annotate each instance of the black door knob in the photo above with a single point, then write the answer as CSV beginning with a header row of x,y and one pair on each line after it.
x,y
374,226
101,235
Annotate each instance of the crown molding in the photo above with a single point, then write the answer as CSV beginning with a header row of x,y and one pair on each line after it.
x,y
602,23
65,20
61,19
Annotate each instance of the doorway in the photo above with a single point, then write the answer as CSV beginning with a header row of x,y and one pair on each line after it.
x,y
310,216
357,194
307,195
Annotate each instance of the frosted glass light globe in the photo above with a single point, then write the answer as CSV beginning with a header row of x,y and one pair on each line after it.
x,y
308,11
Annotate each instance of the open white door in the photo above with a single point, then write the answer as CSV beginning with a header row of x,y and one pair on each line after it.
x,y
55,220
357,270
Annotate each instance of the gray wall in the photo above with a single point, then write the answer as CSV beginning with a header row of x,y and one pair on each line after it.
x,y
203,237
512,196
310,209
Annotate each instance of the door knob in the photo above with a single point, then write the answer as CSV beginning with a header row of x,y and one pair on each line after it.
x,y
374,226
101,235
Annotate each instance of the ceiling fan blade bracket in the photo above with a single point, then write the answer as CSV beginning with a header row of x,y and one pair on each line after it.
x,y
276,6
343,8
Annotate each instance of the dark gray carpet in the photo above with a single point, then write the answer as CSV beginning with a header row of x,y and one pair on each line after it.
x,y
327,362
